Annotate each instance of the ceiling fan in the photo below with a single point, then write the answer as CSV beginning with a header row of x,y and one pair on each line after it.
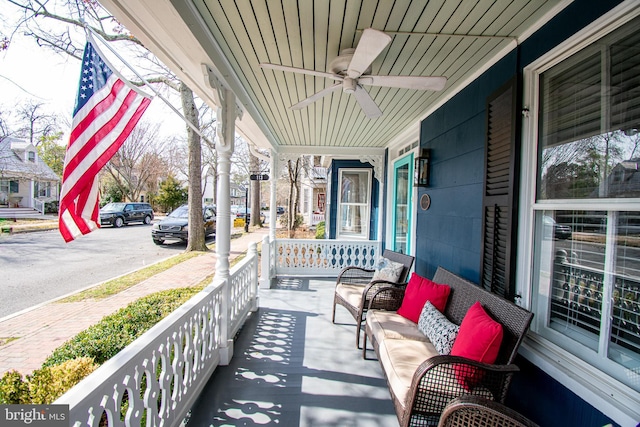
x,y
351,69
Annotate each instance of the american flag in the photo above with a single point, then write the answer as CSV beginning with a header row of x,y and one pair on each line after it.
x,y
107,109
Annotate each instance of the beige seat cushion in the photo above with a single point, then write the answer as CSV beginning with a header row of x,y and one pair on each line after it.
x,y
390,325
400,358
350,293
402,348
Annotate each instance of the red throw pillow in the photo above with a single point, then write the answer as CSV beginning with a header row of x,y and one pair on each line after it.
x,y
419,291
479,339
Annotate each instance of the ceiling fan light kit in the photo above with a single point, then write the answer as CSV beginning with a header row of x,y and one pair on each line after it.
x,y
352,69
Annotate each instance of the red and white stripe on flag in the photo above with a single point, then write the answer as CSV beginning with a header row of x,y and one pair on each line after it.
x,y
106,112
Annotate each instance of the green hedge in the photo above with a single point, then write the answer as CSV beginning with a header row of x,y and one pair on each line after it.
x,y
46,384
114,332
82,354
320,230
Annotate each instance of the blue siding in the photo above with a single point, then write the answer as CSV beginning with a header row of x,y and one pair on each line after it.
x,y
562,407
449,233
456,136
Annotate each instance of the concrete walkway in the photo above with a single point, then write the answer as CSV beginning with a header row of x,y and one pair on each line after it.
x,y
32,335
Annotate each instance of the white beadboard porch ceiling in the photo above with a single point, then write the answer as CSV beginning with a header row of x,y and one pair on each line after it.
x,y
457,39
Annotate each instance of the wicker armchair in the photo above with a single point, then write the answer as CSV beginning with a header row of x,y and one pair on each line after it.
x,y
355,286
474,411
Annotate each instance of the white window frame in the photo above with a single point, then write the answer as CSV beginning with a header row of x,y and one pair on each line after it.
x,y
364,226
613,398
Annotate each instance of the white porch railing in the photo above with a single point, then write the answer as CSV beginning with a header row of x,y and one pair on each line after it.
x,y
316,218
38,205
323,258
161,374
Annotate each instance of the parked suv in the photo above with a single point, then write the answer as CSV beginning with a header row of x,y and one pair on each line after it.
x,y
176,225
119,214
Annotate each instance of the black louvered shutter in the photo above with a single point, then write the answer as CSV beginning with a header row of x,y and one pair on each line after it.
x,y
499,208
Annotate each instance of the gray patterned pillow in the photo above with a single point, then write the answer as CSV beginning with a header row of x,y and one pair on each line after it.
x,y
440,331
387,270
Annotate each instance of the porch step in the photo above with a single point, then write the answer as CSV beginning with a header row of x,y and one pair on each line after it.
x,y
18,213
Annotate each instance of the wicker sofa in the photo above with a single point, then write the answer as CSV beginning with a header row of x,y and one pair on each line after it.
x,y
421,381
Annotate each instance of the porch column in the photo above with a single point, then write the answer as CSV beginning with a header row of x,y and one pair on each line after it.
x,y
226,118
224,147
273,217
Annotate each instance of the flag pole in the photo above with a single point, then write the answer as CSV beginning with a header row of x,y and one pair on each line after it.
x,y
90,35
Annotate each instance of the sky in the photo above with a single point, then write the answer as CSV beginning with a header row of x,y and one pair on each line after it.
x,y
30,72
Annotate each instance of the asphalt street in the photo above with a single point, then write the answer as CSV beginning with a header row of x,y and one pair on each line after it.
x,y
39,266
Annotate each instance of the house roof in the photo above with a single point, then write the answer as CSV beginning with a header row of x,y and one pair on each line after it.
x,y
14,165
226,40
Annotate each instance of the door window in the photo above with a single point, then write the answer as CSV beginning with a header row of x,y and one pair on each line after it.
x,y
401,210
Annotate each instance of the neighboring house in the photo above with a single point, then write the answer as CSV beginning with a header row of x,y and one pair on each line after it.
x,y
25,180
314,191
624,179
236,192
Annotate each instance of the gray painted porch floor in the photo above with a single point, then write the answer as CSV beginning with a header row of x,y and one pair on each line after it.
x,y
293,367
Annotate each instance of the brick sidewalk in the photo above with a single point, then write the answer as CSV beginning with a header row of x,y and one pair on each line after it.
x,y
46,327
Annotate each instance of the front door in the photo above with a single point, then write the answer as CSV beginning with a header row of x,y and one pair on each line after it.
x,y
401,210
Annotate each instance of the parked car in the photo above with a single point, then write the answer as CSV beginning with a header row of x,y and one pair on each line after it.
x,y
279,210
119,214
176,225
560,231
246,214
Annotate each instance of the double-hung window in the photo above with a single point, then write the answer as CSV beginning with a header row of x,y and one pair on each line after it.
x,y
586,205
9,186
42,189
354,203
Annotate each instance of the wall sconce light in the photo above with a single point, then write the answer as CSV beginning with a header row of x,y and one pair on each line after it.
x,y
422,166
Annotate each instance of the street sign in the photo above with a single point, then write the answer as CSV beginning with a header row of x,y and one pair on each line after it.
x,y
258,177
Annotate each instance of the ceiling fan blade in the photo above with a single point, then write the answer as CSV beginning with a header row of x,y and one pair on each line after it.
x,y
371,44
405,82
300,70
313,98
367,103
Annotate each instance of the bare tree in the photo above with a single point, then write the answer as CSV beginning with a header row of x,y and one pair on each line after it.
x,y
138,164
36,123
4,125
245,164
196,231
293,169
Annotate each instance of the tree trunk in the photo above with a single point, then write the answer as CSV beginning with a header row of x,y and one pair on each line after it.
x,y
196,230
254,167
294,172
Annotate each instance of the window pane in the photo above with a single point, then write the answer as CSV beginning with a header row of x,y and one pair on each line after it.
x,y
401,206
593,294
575,240
351,219
354,187
625,330
589,121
